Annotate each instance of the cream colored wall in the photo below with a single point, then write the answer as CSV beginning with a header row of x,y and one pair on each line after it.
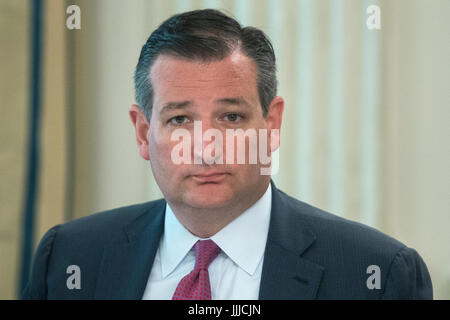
x,y
51,204
14,84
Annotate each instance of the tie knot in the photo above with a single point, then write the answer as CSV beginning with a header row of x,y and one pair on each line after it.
x,y
205,252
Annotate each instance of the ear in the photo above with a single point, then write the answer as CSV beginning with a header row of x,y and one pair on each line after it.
x,y
141,127
273,120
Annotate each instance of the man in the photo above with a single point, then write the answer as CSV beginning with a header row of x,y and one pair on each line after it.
x,y
223,230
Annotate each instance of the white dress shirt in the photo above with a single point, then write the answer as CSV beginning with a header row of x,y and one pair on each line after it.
x,y
236,271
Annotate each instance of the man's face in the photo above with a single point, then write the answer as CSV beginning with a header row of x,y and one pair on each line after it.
x,y
222,95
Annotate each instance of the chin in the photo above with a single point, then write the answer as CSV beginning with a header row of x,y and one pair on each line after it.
x,y
209,196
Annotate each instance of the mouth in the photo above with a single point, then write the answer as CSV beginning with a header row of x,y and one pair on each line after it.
x,y
212,177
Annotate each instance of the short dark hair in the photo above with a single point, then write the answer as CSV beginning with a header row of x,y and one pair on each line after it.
x,y
205,35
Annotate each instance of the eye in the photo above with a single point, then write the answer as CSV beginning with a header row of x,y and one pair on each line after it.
x,y
233,117
178,120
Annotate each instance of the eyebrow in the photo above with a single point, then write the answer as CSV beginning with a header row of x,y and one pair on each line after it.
x,y
239,101
176,105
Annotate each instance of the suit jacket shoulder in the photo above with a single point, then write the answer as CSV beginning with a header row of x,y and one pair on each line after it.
x,y
356,261
82,243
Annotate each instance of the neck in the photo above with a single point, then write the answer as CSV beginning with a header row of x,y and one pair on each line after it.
x,y
206,222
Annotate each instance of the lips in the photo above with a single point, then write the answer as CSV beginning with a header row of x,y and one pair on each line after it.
x,y
211,177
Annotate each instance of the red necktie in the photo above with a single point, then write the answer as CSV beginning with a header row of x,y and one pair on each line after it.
x,y
195,285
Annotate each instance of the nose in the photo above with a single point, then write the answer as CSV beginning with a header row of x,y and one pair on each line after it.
x,y
208,143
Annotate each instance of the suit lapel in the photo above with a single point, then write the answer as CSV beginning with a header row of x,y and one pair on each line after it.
x,y
286,275
126,264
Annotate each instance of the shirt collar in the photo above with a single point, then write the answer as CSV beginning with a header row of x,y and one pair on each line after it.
x,y
243,240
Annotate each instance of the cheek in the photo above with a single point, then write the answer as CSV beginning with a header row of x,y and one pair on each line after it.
x,y
160,154
159,146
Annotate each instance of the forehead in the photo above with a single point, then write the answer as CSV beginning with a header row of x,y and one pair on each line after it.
x,y
174,78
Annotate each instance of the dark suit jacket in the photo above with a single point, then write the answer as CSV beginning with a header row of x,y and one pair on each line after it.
x,y
310,254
